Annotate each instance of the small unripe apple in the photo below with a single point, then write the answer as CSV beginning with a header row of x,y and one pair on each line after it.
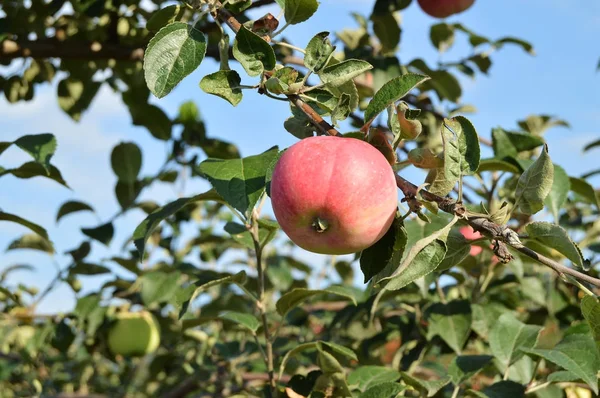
x,y
333,195
134,333
444,8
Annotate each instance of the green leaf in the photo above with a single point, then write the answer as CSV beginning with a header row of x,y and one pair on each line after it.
x,y
241,182
34,169
102,233
526,46
445,85
422,258
41,147
75,95
318,50
253,52
404,123
28,224
172,54
555,237
590,307
86,305
248,321
126,161
562,376
501,389
72,206
451,321
313,345
224,84
130,264
383,390
297,11
537,124
427,387
297,296
423,263
33,242
583,188
365,377
509,336
439,183
589,146
89,269
163,17
159,287
391,92
338,74
461,147
458,248
576,353
485,317
506,143
494,164
424,158
342,109
559,192
464,367
186,296
127,193
328,363
154,119
535,184
146,227
241,235
337,349
383,257
442,36
387,30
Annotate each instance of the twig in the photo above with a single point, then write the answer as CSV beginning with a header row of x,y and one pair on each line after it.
x,y
261,302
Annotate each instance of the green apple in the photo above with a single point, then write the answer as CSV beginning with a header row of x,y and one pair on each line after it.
x,y
134,333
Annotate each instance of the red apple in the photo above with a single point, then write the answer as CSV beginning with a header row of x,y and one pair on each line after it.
x,y
333,195
444,8
470,234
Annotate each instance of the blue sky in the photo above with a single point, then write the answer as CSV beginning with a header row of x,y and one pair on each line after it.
x,y
560,80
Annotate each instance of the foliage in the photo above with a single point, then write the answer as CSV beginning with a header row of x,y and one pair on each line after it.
x,y
236,312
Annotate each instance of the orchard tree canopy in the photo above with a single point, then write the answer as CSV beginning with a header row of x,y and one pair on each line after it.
x,y
454,262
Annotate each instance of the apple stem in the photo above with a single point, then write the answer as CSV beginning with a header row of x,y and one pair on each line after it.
x,y
320,225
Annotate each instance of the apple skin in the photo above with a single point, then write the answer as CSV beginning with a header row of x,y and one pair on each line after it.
x,y
333,195
470,234
444,8
134,334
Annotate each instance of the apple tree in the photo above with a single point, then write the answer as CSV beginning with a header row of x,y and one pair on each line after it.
x,y
480,280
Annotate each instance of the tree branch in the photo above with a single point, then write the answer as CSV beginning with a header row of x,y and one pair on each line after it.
x,y
500,233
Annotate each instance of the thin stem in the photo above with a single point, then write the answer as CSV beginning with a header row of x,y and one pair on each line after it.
x,y
274,97
488,278
538,387
260,347
288,45
561,269
307,89
455,392
274,34
440,291
261,303
305,79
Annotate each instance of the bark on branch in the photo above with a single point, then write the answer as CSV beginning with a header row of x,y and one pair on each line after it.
x,y
501,234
